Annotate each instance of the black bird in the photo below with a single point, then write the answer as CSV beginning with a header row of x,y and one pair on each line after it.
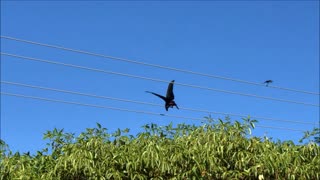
x,y
169,99
267,82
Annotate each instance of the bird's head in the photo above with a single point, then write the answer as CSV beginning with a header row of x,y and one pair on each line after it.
x,y
172,103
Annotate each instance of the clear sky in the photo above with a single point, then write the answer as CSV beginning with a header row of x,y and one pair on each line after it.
x,y
247,40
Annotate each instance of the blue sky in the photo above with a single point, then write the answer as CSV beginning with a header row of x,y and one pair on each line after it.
x,y
252,41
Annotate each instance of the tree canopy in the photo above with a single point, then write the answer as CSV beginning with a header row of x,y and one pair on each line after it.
x,y
217,149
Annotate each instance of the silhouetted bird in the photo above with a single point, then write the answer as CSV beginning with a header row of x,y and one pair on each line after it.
x,y
169,99
267,82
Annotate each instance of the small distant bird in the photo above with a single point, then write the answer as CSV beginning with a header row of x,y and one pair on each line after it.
x,y
169,99
267,82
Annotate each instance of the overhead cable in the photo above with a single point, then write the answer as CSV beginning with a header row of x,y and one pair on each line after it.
x,y
145,103
155,65
127,110
153,79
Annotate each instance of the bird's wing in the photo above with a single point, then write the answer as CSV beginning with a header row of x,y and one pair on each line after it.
x,y
162,97
170,95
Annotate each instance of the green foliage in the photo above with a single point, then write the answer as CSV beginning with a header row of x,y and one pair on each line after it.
x,y
315,134
215,150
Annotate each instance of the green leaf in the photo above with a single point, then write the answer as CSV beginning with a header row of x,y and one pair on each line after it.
x,y
99,125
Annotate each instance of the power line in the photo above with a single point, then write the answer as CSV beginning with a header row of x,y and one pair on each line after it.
x,y
281,128
127,110
145,103
97,106
155,65
79,93
153,79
